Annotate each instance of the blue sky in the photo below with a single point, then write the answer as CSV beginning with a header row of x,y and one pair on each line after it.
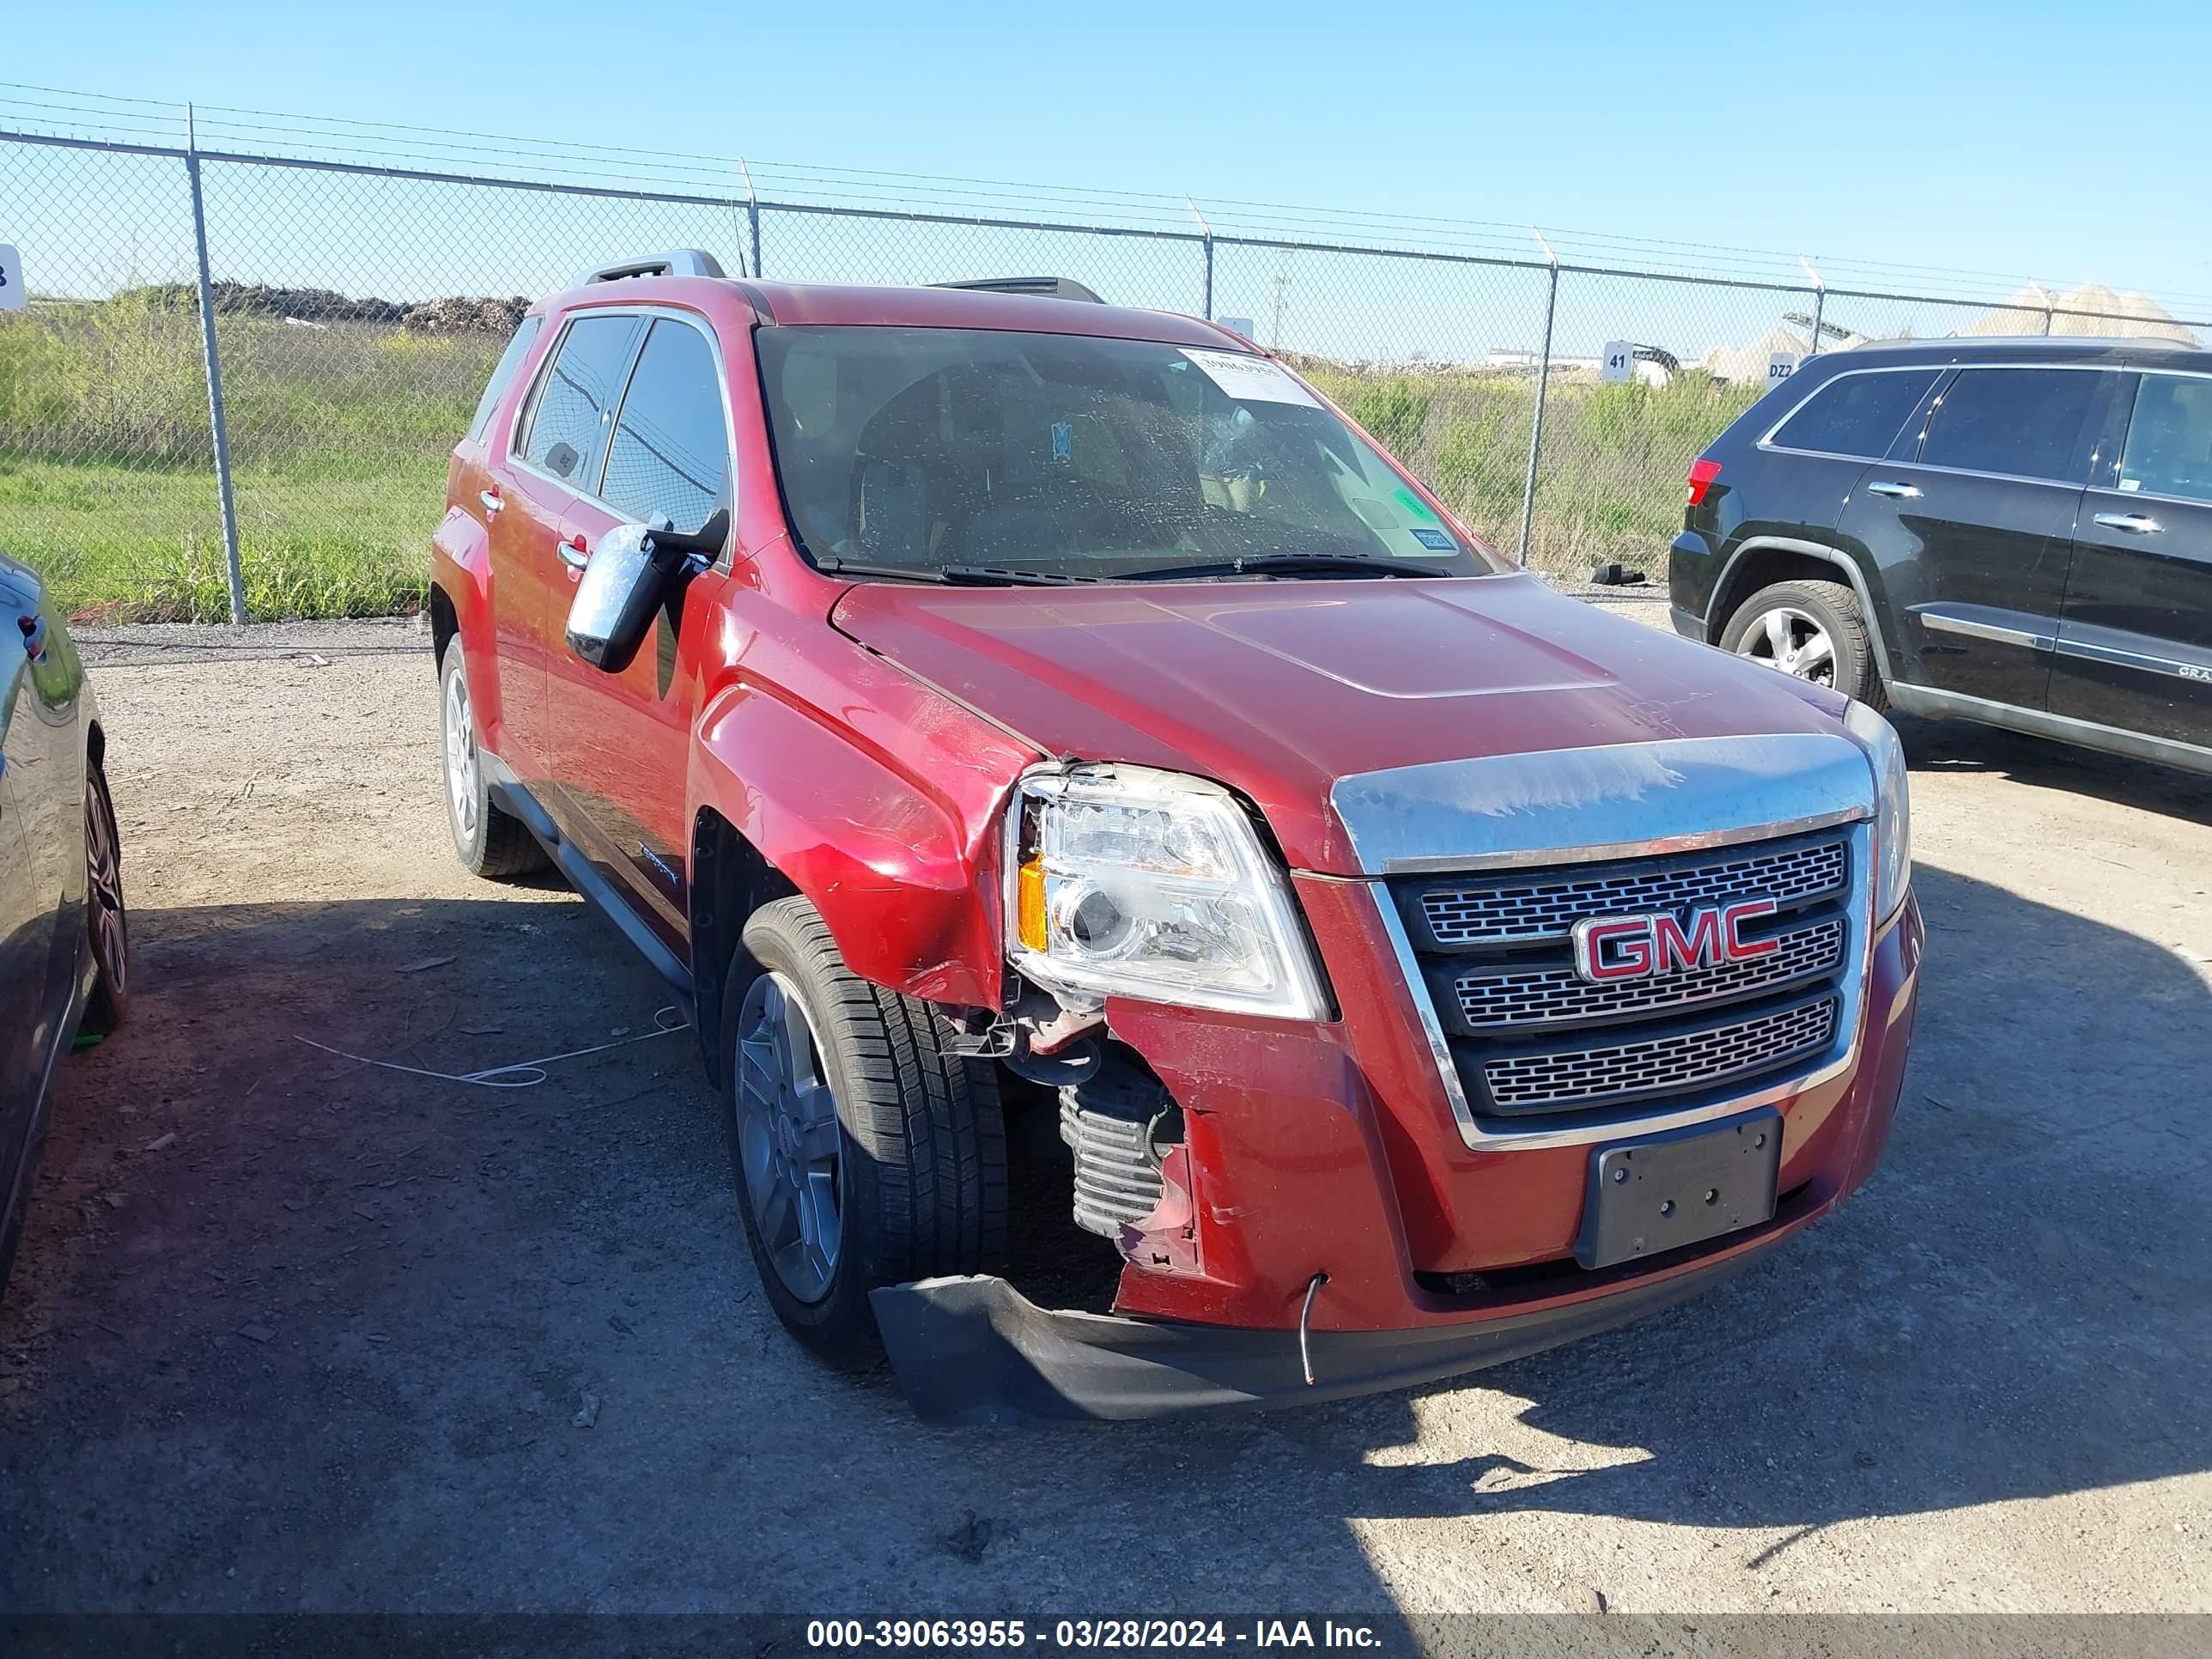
x,y
2027,139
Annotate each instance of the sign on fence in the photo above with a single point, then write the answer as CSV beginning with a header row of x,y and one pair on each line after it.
x,y
1620,364
1780,365
11,278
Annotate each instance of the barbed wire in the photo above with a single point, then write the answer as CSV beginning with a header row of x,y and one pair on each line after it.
x,y
42,110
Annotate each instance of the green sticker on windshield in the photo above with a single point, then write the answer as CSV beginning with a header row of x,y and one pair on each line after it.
x,y
1413,504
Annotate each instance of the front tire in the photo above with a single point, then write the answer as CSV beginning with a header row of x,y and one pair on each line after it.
x,y
1813,630
488,842
864,1153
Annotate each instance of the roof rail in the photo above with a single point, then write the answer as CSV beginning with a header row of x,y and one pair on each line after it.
x,y
677,262
1051,288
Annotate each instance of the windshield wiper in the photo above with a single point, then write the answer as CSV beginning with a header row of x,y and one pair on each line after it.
x,y
989,576
896,573
953,575
1273,564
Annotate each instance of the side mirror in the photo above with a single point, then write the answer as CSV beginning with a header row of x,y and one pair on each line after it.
x,y
633,572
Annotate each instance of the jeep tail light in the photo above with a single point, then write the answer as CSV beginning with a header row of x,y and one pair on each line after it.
x,y
1703,471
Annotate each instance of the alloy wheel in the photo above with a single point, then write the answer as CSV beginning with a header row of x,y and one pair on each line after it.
x,y
462,766
788,1139
1790,640
108,922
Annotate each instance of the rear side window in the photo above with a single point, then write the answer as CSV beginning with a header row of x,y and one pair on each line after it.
x,y
2169,449
2026,421
577,395
1856,413
670,455
503,374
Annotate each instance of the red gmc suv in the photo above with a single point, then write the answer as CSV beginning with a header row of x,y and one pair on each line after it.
x,y
981,700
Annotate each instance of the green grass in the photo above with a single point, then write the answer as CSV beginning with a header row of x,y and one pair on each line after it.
x,y
338,441
339,436
139,545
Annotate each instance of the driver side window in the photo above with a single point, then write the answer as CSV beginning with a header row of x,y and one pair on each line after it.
x,y
669,454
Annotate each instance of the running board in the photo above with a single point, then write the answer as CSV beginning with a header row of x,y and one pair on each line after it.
x,y
1931,703
508,794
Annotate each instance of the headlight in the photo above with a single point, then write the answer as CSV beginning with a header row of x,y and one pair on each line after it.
x,y
1893,809
1123,881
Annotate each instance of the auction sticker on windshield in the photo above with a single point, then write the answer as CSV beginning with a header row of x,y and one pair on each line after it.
x,y
1251,379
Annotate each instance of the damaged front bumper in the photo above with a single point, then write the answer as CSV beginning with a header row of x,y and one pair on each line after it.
x,y
976,1351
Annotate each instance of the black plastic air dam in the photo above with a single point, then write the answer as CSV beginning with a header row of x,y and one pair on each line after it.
x,y
974,1350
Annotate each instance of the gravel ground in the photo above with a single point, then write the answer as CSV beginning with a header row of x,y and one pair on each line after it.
x,y
290,1331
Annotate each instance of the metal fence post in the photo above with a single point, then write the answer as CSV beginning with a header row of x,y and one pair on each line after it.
x,y
1206,242
1819,302
212,358
752,213
1543,386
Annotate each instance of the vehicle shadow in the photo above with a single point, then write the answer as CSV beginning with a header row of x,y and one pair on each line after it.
x,y
1962,747
2006,1312
291,1330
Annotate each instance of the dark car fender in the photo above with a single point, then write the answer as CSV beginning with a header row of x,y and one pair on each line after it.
x,y
1731,590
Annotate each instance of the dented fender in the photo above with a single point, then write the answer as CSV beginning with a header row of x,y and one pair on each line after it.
x,y
887,822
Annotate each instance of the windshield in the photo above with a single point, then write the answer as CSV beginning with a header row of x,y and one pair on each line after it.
x,y
925,449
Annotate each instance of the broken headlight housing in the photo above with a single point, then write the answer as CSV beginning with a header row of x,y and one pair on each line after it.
x,y
1125,881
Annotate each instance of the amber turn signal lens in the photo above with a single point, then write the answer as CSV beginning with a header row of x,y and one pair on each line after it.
x,y
1028,913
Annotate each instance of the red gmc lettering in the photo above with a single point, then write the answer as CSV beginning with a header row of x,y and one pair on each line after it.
x,y
1631,960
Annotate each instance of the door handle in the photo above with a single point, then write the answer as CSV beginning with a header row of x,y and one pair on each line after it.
x,y
574,552
1900,492
490,499
2136,523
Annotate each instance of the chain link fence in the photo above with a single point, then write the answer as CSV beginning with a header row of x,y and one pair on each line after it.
x,y
352,313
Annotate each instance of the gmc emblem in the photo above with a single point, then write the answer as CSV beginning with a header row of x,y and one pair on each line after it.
x,y
1610,948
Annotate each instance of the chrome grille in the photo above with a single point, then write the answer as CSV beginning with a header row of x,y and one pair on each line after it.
x,y
1562,1079
1529,1036
1507,910
1508,998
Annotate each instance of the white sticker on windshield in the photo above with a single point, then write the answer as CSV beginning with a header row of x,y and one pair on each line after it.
x,y
1250,380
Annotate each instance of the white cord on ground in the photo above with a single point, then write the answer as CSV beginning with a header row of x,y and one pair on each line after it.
x,y
523,1074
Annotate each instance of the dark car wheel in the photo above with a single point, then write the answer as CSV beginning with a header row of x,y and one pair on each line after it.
x,y
864,1153
489,841
106,919
1814,630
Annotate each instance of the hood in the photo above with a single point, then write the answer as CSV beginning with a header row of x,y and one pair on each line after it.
x,y
1279,689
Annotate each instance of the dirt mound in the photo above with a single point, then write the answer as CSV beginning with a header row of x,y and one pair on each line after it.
x,y
452,315
458,315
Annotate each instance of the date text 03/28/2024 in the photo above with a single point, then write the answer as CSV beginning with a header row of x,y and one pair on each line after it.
x,y
1087,1633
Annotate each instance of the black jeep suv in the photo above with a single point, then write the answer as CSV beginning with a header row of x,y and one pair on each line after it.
x,y
2018,532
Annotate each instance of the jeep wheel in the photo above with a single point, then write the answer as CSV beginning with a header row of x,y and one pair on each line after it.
x,y
1814,630
488,842
864,1154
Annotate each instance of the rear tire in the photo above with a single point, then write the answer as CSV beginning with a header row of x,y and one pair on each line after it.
x,y
106,919
488,842
864,1153
1814,630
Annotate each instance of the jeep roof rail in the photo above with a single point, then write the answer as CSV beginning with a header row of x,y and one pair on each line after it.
x,y
1052,287
677,262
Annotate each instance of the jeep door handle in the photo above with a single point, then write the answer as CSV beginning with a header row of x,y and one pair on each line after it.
x,y
2136,523
574,552
1900,492
490,500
